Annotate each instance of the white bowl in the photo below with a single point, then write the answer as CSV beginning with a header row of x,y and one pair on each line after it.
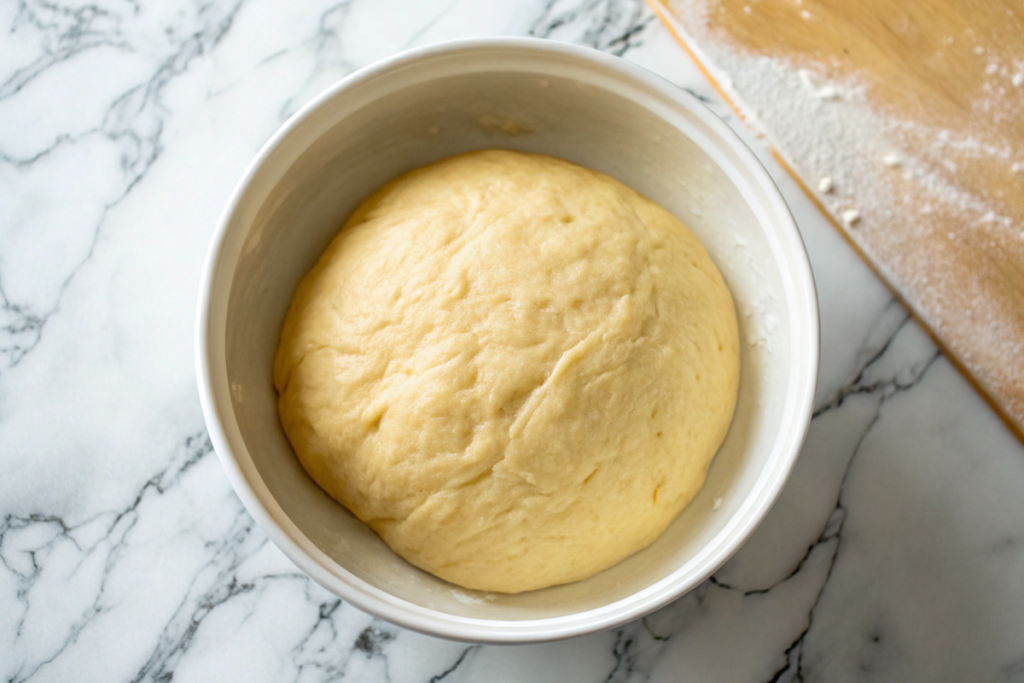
x,y
595,110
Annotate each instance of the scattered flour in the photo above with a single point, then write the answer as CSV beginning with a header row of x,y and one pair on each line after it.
x,y
893,159
923,229
817,89
466,598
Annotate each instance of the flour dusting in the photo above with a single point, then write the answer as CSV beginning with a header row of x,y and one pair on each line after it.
x,y
902,190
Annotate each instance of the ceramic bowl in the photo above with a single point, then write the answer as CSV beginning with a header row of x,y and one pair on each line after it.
x,y
539,96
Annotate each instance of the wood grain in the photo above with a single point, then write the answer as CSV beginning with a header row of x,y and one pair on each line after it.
x,y
926,143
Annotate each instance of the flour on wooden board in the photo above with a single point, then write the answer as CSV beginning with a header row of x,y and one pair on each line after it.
x,y
893,185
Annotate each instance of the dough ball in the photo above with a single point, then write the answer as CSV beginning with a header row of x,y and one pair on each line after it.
x,y
514,369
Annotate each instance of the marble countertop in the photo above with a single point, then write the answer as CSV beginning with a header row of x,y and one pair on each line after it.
x,y
896,552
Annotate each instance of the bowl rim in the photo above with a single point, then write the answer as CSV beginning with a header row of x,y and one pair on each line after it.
x,y
368,598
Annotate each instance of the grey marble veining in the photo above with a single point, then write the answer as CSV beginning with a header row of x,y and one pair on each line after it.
x,y
895,553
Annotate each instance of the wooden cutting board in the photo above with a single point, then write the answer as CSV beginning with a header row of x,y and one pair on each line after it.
x,y
904,121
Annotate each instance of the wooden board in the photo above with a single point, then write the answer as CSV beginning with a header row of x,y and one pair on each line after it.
x,y
914,112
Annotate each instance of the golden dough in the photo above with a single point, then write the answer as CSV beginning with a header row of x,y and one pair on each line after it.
x,y
514,369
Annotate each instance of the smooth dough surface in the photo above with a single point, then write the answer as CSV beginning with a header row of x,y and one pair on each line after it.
x,y
516,370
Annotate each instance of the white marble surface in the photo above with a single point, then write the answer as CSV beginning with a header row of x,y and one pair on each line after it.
x,y
896,552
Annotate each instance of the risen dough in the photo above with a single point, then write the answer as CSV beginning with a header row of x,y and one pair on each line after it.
x,y
516,370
